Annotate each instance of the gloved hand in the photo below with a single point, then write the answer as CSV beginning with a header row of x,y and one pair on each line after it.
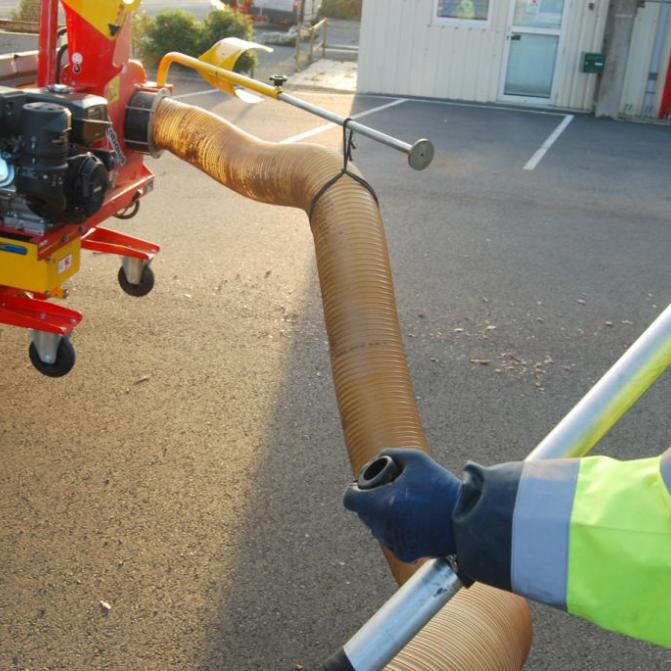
x,y
412,515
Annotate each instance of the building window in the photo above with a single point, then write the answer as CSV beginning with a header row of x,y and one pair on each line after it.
x,y
462,10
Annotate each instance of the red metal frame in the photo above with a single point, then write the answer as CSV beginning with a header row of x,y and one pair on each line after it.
x,y
665,106
46,69
105,241
21,310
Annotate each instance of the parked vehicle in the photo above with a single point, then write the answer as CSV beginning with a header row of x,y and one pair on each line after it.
x,y
287,12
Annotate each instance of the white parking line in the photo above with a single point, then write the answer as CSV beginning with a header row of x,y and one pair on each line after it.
x,y
314,131
327,126
552,138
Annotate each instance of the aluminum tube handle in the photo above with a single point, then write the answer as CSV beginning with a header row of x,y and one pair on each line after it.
x,y
413,605
612,396
398,621
420,154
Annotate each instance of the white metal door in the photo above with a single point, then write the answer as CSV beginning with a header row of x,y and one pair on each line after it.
x,y
532,51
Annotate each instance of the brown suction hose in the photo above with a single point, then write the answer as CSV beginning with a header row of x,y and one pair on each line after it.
x,y
481,629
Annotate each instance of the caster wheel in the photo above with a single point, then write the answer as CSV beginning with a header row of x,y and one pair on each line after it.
x,y
142,289
65,359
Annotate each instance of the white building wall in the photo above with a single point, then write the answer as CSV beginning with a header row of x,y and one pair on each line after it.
x,y
404,51
638,64
583,32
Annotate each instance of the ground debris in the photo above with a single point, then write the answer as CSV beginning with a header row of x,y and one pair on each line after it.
x,y
105,607
144,378
582,301
478,360
514,357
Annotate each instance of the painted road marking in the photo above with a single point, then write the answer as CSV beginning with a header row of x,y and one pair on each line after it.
x,y
314,131
552,138
444,103
327,126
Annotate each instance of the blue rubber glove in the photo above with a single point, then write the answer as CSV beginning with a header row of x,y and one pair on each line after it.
x,y
412,515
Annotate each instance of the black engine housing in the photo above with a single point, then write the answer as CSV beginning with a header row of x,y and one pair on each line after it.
x,y
54,169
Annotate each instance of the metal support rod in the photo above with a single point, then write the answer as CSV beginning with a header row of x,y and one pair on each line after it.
x,y
656,59
397,622
665,105
299,29
325,36
421,597
311,56
420,154
610,398
46,68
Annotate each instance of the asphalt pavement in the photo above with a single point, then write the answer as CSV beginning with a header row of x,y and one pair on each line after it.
x,y
188,473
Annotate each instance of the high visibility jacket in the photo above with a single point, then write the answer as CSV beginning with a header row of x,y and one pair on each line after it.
x,y
591,536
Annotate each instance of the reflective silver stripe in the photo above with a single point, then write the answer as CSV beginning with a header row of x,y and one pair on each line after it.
x,y
665,468
541,525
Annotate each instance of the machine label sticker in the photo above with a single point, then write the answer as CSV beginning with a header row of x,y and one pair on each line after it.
x,y
13,249
77,60
114,141
65,264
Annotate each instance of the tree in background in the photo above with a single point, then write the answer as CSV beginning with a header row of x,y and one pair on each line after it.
x,y
177,30
229,23
342,9
28,10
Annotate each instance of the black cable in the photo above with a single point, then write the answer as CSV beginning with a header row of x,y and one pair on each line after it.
x,y
347,147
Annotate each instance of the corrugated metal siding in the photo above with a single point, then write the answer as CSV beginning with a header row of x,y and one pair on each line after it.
x,y
403,51
583,32
638,64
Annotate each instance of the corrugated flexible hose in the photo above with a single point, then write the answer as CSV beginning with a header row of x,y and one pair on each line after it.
x,y
481,629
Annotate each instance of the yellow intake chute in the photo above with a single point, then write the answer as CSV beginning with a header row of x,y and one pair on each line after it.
x,y
225,54
106,16
216,66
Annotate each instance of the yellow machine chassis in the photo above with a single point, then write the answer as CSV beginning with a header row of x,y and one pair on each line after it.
x,y
24,266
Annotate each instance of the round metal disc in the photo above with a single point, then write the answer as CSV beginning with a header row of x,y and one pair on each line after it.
x,y
421,154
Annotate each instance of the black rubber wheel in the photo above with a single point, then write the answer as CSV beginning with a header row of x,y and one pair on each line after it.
x,y
65,359
142,289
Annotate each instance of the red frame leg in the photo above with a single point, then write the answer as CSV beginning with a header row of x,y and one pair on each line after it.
x,y
106,241
36,314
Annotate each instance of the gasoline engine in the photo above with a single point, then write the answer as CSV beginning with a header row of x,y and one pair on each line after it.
x,y
51,172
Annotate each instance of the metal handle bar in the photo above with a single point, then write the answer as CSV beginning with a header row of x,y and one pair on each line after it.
x,y
420,154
